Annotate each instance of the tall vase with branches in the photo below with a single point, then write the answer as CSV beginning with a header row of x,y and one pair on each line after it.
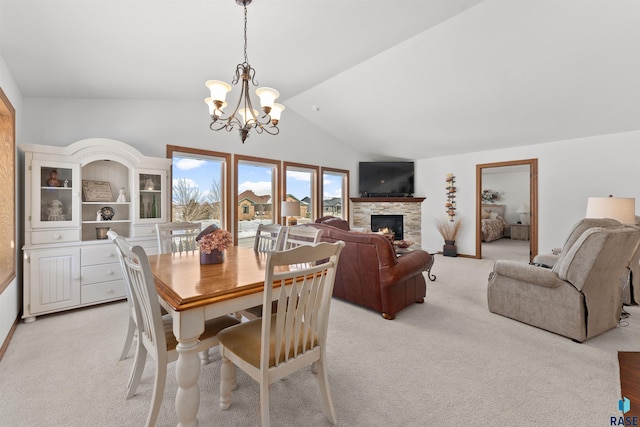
x,y
449,229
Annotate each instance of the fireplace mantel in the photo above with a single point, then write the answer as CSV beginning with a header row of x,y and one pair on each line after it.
x,y
387,199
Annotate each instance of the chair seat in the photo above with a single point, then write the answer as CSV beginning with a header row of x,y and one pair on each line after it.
x,y
211,329
244,340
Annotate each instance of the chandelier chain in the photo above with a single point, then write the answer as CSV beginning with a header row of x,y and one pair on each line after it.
x,y
246,59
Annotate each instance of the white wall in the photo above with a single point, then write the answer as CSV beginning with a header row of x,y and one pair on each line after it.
x,y
150,125
11,298
568,173
513,188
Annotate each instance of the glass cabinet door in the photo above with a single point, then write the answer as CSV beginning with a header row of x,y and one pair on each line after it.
x,y
151,196
55,200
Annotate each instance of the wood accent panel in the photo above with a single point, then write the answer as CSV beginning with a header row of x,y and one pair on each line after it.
x,y
629,362
8,246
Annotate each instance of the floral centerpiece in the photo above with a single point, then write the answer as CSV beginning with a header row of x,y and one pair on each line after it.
x,y
213,241
490,196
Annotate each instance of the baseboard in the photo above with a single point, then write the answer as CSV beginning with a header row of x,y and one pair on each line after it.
x,y
5,345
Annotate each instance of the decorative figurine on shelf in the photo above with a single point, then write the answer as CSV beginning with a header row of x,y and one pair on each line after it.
x,y
53,180
99,215
121,196
66,183
55,211
148,184
107,213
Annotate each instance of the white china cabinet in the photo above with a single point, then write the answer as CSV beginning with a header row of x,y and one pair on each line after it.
x,y
73,196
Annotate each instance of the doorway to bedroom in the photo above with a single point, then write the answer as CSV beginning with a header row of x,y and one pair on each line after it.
x,y
507,210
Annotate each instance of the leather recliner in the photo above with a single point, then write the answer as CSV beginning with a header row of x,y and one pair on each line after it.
x,y
370,274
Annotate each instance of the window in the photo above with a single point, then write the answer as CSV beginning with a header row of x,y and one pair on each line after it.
x,y
300,185
335,190
199,186
256,187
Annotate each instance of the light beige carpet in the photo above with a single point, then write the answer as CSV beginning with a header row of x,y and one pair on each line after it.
x,y
448,362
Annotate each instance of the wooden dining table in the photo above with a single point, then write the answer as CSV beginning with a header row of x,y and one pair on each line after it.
x,y
192,293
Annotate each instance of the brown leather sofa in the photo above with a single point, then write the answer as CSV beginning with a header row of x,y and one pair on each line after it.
x,y
370,274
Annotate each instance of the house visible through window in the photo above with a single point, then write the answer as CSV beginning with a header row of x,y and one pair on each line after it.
x,y
256,189
335,184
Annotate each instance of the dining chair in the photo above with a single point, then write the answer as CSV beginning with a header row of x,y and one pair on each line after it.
x,y
268,237
155,333
278,344
178,237
131,325
299,235
172,237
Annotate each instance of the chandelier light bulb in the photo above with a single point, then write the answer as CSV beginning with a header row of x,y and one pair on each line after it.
x,y
247,117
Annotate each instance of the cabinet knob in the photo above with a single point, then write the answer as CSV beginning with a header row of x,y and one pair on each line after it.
x,y
109,291
110,273
109,254
56,237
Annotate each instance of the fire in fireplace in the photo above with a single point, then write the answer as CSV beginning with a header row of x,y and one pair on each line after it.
x,y
391,222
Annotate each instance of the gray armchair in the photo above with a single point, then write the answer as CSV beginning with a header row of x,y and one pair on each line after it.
x,y
579,298
630,282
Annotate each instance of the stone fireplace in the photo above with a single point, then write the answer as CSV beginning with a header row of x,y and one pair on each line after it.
x,y
407,207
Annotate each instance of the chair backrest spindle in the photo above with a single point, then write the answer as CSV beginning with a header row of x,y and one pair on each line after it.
x,y
178,237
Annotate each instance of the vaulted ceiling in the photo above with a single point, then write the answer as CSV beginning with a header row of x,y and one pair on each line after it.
x,y
397,78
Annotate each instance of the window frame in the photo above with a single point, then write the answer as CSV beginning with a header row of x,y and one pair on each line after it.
x,y
275,187
345,191
226,176
315,187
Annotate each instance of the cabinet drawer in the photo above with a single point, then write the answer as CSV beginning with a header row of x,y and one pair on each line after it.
x,y
102,291
144,231
54,236
519,233
101,254
100,273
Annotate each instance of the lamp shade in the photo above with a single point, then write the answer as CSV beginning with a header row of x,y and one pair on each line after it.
x,y
276,112
267,96
622,209
212,107
218,89
290,209
524,208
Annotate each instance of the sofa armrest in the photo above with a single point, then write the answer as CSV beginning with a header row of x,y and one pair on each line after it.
x,y
407,266
526,273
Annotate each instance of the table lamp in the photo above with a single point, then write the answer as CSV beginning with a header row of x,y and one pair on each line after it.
x,y
622,209
523,210
291,210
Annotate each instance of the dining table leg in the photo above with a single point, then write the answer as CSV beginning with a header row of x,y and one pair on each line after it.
x,y
187,327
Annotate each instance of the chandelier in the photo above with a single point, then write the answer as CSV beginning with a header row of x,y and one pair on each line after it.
x,y
244,117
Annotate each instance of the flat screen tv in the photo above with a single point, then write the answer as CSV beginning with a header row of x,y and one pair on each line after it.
x,y
386,179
